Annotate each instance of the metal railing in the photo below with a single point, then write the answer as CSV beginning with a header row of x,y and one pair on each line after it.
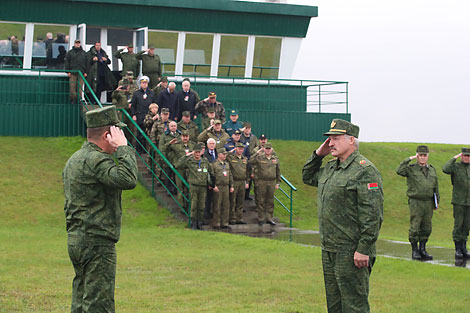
x,y
290,196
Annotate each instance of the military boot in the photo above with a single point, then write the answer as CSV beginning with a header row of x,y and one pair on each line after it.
x,y
415,255
425,256
458,249
464,249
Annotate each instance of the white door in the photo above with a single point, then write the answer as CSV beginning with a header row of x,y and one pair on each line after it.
x,y
141,42
81,35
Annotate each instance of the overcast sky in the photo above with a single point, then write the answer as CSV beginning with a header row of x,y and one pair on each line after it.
x,y
407,62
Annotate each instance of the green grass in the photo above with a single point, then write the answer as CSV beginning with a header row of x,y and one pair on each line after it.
x,y
163,267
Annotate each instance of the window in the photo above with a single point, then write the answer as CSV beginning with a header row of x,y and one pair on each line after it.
x,y
197,54
50,44
266,57
165,44
11,44
232,56
118,39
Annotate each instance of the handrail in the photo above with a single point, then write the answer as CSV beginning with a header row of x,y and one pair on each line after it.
x,y
289,196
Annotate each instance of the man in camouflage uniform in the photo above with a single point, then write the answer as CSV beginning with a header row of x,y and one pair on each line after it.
x,y
211,102
248,138
268,178
151,66
223,187
122,95
76,59
158,129
93,183
208,121
239,169
162,85
350,214
190,126
216,132
170,137
423,199
129,61
199,171
460,176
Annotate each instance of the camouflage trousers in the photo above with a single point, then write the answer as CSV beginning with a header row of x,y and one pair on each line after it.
x,y
421,212
237,198
198,201
461,222
221,206
265,199
95,272
76,87
346,286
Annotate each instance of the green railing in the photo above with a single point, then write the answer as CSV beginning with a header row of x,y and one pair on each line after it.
x,y
290,196
227,67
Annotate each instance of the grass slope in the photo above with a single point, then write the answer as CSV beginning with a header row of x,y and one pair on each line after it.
x,y
163,267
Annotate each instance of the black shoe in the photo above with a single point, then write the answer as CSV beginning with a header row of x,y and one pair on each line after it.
x,y
224,227
194,225
248,198
425,256
232,223
260,223
241,223
216,227
464,249
271,222
458,250
415,255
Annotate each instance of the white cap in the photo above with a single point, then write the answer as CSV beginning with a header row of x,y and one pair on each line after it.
x,y
143,77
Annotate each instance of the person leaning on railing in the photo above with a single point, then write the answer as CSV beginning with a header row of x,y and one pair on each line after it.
x,y
76,60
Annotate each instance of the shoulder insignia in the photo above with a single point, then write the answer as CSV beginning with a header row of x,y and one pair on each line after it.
x,y
372,186
362,162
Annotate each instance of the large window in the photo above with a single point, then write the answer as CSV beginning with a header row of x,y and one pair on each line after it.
x,y
118,39
266,57
50,44
197,54
232,58
11,44
165,44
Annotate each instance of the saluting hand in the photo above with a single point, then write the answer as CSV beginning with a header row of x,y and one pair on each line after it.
x,y
116,137
458,156
414,156
232,189
324,148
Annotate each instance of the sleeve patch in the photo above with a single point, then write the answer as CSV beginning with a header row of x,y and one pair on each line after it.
x,y
362,162
372,186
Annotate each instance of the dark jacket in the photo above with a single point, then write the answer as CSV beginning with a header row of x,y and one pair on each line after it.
x,y
93,70
76,59
168,100
140,104
208,157
187,102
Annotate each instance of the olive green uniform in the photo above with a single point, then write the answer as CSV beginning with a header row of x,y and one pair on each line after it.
x,y
350,214
241,176
129,62
151,67
267,175
223,180
199,172
422,186
460,175
191,127
92,188
220,137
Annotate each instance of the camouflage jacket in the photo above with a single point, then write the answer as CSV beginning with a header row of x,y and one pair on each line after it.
x,y
148,122
222,176
191,128
238,167
219,137
158,129
421,180
202,106
179,149
92,188
129,62
150,64
350,202
164,143
266,169
460,175
199,171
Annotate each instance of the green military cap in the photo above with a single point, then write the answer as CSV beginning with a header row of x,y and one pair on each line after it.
x,y
217,122
466,151
186,113
151,47
342,127
422,149
77,41
239,145
103,117
130,73
237,132
212,94
233,112
184,133
247,124
164,79
166,110
197,147
211,110
268,145
130,45
221,150
263,136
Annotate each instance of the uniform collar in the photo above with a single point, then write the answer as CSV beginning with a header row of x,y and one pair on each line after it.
x,y
348,161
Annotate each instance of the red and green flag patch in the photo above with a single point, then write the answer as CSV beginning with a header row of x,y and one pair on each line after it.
x,y
372,186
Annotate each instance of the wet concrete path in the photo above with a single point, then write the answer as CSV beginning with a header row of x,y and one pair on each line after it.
x,y
387,248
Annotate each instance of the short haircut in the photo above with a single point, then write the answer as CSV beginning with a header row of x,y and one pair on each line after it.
x,y
211,140
153,105
172,84
95,133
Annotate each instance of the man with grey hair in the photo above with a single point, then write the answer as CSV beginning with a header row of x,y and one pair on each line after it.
x,y
350,214
168,99
187,99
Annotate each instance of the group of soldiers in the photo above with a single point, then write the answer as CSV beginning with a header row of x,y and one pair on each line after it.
x,y
220,162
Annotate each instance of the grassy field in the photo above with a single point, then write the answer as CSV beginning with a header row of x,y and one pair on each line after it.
x,y
163,267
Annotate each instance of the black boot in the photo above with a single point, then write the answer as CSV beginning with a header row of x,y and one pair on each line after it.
x,y
425,256
464,249
194,224
415,255
458,249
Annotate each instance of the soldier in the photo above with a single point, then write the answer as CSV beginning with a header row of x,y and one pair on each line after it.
x,y
239,169
248,138
267,178
122,95
190,126
231,142
460,176
216,132
129,60
350,214
76,59
93,183
209,119
199,171
170,137
159,127
162,85
423,199
233,124
151,65
211,101
223,186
